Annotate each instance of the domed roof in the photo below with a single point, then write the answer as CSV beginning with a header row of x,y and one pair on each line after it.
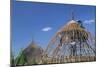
x,y
72,21
71,25
74,30
33,52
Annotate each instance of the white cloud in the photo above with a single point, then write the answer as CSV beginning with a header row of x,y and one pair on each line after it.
x,y
46,29
89,21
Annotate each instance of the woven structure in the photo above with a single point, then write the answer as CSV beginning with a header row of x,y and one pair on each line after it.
x,y
72,43
33,53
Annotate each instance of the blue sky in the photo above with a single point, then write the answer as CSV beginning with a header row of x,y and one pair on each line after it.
x,y
40,21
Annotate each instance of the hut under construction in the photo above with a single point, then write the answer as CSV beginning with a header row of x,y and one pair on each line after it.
x,y
72,43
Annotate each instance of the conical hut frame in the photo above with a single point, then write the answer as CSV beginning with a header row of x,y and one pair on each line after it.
x,y
71,43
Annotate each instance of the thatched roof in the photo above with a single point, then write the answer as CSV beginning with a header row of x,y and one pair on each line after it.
x,y
74,30
33,52
71,25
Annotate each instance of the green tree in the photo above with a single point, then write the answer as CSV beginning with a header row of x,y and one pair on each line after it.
x,y
21,58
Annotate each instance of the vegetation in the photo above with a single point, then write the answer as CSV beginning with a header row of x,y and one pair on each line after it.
x,y
20,60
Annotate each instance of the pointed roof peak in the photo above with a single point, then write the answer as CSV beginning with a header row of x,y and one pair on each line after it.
x,y
71,21
32,45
